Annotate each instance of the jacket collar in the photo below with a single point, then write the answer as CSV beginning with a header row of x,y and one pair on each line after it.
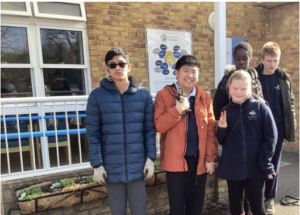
x,y
230,69
172,90
280,72
109,84
244,104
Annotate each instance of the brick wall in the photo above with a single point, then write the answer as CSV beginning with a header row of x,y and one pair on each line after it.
x,y
122,24
245,20
284,25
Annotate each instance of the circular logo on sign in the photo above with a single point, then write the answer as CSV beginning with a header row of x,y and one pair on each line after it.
x,y
158,63
165,72
163,37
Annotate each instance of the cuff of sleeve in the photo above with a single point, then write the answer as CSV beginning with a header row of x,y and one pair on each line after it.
x,y
152,159
222,130
96,167
210,158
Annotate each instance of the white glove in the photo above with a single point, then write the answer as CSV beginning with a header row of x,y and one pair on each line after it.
x,y
100,175
148,169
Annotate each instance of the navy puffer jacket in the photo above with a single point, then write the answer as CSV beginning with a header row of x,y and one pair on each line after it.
x,y
120,130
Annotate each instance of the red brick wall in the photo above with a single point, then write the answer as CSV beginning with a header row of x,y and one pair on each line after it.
x,y
122,24
284,25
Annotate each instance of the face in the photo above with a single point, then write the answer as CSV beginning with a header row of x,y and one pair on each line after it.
x,y
118,73
239,90
187,76
241,59
270,64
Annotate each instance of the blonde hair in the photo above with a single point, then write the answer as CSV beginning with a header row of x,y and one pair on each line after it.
x,y
270,48
240,75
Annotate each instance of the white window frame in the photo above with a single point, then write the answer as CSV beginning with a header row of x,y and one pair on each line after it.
x,y
84,67
27,13
35,50
30,65
56,16
62,66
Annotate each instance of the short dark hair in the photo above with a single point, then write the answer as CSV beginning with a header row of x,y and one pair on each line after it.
x,y
113,52
243,45
187,60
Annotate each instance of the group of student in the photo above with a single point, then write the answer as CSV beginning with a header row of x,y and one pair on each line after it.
x,y
255,109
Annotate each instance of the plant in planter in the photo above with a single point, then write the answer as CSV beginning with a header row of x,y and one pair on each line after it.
x,y
33,193
66,183
90,179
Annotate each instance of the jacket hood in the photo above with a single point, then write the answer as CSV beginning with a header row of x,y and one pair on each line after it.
x,y
230,69
108,83
280,72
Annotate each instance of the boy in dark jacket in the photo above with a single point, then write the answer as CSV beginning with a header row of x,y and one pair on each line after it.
x,y
248,149
277,90
242,58
121,135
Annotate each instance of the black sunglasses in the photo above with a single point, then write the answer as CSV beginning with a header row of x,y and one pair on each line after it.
x,y
113,65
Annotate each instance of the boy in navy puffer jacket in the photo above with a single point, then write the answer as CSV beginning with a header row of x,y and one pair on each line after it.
x,y
246,158
121,135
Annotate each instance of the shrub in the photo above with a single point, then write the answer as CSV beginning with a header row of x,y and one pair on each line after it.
x,y
90,179
66,182
33,193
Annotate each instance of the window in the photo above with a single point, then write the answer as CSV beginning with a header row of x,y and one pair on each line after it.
x,y
16,75
58,10
43,59
16,8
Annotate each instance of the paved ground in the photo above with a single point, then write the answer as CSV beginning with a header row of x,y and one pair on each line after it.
x,y
288,183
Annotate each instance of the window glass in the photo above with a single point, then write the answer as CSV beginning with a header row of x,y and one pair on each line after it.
x,y
59,8
62,46
15,83
14,45
18,6
64,82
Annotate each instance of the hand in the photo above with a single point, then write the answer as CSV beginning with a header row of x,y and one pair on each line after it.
x,y
269,176
223,122
210,167
182,106
148,169
100,175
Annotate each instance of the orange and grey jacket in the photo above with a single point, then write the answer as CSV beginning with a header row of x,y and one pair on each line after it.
x,y
173,128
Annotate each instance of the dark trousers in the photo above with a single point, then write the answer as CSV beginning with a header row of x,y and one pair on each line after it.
x,y
271,184
186,190
136,193
253,189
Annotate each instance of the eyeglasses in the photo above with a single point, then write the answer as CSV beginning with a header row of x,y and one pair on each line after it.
x,y
113,65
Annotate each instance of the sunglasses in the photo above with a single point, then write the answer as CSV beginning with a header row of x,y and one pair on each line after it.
x,y
113,65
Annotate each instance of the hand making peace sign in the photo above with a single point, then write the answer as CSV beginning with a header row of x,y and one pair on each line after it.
x,y
222,122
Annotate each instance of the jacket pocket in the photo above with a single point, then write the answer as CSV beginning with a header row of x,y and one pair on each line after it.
x,y
203,119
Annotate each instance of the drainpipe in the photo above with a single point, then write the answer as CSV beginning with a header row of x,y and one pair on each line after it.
x,y
220,40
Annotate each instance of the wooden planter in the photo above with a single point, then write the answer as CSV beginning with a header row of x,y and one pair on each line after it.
x,y
73,195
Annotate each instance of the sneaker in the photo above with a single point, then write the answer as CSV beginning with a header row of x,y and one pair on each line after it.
x,y
269,206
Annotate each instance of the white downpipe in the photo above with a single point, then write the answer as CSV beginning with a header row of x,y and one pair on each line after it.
x,y
220,40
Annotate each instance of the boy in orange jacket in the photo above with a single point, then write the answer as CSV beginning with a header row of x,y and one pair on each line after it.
x,y
188,141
